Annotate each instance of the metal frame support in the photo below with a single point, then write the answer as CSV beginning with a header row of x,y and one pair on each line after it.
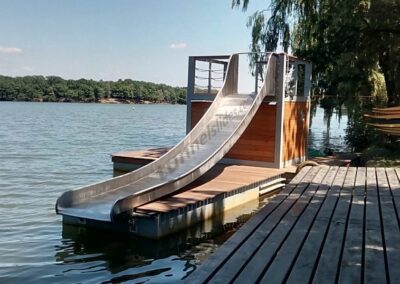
x,y
190,92
280,105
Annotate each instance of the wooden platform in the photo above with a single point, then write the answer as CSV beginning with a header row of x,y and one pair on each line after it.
x,y
217,182
222,189
329,225
130,160
219,192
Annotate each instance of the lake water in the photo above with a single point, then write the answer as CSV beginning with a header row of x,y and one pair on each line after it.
x,y
328,132
48,148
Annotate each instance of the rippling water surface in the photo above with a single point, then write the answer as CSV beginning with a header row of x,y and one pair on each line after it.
x,y
328,131
48,148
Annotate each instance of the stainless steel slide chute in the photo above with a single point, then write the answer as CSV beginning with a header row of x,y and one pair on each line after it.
x,y
213,136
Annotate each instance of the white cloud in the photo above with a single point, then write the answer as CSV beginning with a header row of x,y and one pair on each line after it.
x,y
4,49
179,45
27,68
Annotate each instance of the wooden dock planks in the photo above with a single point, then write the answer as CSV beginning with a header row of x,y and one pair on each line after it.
x,y
351,262
216,261
309,254
329,225
283,261
374,258
391,232
327,267
219,180
265,254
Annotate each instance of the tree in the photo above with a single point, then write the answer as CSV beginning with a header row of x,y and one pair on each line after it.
x,y
354,45
56,89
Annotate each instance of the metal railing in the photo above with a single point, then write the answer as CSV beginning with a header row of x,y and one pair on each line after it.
x,y
207,74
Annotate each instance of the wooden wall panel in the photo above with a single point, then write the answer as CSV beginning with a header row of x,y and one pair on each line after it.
x,y
295,130
198,110
257,142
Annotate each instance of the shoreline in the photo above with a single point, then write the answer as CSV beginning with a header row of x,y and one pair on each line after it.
x,y
113,101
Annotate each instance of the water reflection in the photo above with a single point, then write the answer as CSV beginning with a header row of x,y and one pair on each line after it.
x,y
119,257
328,129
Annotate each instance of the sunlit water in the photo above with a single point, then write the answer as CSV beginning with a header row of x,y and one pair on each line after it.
x,y
48,148
328,132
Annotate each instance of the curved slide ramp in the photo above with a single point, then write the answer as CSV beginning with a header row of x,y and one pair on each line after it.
x,y
207,143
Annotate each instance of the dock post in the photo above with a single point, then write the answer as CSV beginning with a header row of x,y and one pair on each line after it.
x,y
190,92
280,98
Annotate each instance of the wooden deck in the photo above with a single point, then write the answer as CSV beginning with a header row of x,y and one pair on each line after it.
x,y
220,180
222,188
139,157
143,157
329,225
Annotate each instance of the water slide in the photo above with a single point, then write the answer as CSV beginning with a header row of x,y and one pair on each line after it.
x,y
207,143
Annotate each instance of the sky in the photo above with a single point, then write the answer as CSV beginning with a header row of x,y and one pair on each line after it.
x,y
147,40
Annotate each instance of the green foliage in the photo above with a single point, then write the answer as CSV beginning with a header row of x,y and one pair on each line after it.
x,y
349,42
56,89
386,155
358,134
378,90
328,103
354,47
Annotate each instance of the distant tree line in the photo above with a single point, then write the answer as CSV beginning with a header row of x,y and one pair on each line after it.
x,y
56,89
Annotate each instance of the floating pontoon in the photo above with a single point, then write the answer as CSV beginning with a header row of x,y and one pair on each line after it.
x,y
264,128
